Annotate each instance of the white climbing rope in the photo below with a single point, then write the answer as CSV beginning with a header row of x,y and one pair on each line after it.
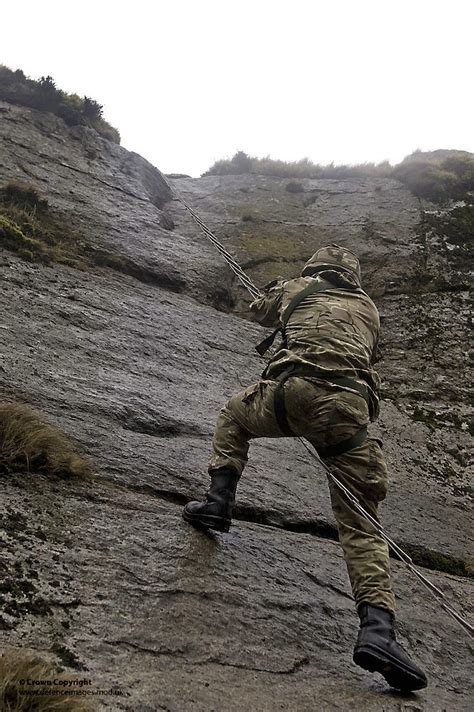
x,y
235,267
437,594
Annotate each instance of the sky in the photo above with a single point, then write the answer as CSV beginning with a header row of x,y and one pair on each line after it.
x,y
188,82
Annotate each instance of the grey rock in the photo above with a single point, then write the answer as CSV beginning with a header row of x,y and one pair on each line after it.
x,y
136,373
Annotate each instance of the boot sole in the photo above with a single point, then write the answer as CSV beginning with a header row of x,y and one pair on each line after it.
x,y
207,521
395,673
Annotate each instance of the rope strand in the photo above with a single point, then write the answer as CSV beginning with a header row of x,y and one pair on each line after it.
x,y
235,267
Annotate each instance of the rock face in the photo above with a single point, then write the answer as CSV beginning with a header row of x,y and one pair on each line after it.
x,y
106,577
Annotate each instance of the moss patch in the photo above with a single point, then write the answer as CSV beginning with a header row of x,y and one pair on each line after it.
x,y
28,228
436,561
20,594
294,187
67,657
262,245
456,226
434,419
12,237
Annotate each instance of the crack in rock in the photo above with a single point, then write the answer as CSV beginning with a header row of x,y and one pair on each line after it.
x,y
327,584
422,556
214,660
297,665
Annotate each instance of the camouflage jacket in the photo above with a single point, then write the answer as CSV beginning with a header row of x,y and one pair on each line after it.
x,y
336,331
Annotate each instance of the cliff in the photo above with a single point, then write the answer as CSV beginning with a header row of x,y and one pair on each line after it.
x,y
133,348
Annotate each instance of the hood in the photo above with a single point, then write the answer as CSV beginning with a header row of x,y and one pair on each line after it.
x,y
333,257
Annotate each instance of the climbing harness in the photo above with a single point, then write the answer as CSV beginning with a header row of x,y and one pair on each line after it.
x,y
296,369
304,371
437,594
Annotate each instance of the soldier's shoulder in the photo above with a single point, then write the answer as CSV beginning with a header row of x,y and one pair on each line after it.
x,y
298,283
370,307
368,299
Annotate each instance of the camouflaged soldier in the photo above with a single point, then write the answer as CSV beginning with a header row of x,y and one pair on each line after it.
x,y
321,385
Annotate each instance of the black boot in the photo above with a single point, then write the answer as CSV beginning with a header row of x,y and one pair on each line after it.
x,y
378,651
216,511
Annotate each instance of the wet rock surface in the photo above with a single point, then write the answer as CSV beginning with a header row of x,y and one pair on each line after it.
x,y
138,601
138,375
105,576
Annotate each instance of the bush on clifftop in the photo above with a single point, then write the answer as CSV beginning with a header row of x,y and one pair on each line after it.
x,y
438,176
42,94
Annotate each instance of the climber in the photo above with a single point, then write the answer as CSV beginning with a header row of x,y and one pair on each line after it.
x,y
320,385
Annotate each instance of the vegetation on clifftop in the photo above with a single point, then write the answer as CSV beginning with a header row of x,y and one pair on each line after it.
x,y
42,94
438,176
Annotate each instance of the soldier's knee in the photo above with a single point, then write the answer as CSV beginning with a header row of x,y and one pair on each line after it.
x,y
364,470
377,474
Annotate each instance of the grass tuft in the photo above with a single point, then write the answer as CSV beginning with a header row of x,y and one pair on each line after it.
x,y
28,442
20,666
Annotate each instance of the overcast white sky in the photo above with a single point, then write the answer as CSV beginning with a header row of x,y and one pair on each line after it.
x,y
187,82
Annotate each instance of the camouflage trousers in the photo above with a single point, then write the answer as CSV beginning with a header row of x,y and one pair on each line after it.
x,y
324,415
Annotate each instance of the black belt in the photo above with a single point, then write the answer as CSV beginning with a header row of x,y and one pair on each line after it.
x,y
304,371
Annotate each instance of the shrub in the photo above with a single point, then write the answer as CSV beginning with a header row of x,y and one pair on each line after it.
x,y
294,187
17,666
243,163
25,196
240,163
43,94
440,176
28,442
92,109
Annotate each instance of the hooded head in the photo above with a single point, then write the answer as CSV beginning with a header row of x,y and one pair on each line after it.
x,y
335,258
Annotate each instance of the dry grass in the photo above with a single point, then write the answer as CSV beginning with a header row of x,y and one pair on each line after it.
x,y
28,442
18,666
